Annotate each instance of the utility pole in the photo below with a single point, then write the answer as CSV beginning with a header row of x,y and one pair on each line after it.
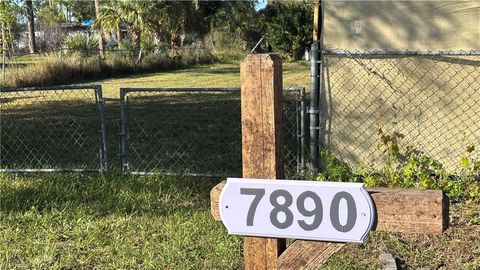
x,y
316,75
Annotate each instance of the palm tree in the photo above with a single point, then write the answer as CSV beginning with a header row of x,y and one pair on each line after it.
x,y
137,16
101,45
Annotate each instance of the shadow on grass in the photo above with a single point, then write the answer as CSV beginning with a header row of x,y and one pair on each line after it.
x,y
49,129
104,195
169,132
194,132
184,132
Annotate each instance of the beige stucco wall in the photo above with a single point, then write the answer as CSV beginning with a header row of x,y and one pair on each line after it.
x,y
420,25
432,103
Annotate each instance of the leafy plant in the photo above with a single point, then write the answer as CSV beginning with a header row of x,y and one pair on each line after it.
x,y
335,169
288,27
80,44
7,21
407,167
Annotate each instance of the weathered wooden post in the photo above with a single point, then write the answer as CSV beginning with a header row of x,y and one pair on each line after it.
x,y
252,207
262,141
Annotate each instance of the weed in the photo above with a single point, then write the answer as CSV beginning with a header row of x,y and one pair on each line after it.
x,y
407,167
54,70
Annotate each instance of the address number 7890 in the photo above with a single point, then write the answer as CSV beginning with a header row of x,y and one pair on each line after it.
x,y
327,211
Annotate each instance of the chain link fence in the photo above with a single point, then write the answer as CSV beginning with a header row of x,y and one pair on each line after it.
x,y
197,131
49,129
429,101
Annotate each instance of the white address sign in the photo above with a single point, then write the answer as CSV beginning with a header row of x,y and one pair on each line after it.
x,y
325,211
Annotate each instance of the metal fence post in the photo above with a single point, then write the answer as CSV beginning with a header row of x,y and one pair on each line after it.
x,y
313,111
103,130
302,129
123,132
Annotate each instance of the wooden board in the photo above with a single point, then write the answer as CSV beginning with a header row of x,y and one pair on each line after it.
x,y
307,254
398,210
410,210
262,141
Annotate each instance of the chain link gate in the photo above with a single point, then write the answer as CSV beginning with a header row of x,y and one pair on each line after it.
x,y
52,129
197,131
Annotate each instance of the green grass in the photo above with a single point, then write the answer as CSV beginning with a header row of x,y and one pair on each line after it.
x,y
215,75
28,58
81,221
71,221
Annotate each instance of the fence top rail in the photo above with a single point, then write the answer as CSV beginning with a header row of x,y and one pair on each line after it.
x,y
124,91
59,170
178,89
52,88
344,52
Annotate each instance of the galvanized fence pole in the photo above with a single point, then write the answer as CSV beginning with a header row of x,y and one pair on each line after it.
x,y
302,132
313,110
123,132
103,130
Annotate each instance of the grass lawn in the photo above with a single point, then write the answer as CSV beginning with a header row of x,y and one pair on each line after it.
x,y
216,75
88,221
28,58
71,221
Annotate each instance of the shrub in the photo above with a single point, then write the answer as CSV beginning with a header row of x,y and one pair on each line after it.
x,y
288,27
80,44
54,70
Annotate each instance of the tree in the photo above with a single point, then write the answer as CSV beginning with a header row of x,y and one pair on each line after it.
x,y
81,10
240,17
31,26
101,42
8,19
288,27
137,16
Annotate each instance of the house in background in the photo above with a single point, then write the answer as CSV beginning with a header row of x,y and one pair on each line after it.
x,y
402,25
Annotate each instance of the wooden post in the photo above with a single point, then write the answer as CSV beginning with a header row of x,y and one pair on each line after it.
x,y
398,210
262,141
316,20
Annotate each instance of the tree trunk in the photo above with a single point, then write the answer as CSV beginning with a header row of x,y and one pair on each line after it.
x,y
119,35
135,36
31,26
136,44
101,42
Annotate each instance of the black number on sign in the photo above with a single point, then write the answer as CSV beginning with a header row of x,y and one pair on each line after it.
x,y
279,208
317,212
351,212
258,193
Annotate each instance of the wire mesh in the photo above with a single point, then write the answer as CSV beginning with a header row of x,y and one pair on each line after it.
x,y
195,131
429,101
48,129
